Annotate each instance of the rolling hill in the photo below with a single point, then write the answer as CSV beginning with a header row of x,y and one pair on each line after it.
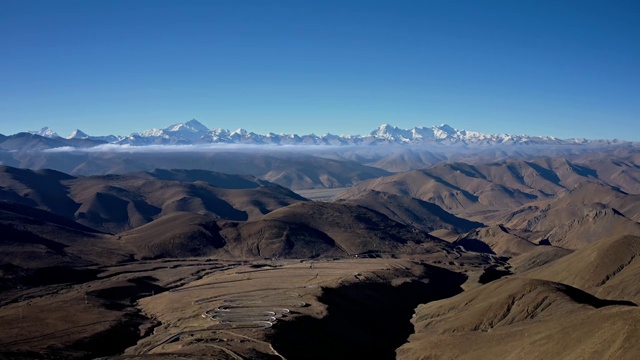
x,y
411,211
115,203
608,268
345,229
495,240
519,318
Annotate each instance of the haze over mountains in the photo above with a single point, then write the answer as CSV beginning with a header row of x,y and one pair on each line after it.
x,y
188,241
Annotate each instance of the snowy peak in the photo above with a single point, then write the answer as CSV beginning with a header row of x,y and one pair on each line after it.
x,y
444,131
45,132
192,125
387,131
241,132
182,133
153,132
194,132
392,133
77,134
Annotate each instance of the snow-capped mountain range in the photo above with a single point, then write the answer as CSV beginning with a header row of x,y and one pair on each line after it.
x,y
193,132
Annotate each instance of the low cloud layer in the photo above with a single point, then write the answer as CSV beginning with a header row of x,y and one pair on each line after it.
x,y
115,148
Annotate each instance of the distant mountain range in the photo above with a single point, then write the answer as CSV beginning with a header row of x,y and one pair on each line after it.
x,y
194,132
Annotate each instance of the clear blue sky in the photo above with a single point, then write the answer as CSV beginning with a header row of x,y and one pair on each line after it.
x,y
562,68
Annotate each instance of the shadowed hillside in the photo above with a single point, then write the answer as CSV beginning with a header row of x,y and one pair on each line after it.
x,y
608,268
115,203
523,318
410,211
495,240
322,229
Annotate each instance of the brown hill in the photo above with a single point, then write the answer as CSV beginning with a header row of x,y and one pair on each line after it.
x,y
294,170
593,226
495,240
115,203
303,230
420,185
34,238
585,197
608,268
176,235
580,217
351,229
410,211
458,196
408,159
272,239
536,258
517,318
213,178
613,197
309,172
42,189
465,188
481,189
259,201
541,177
619,170
120,203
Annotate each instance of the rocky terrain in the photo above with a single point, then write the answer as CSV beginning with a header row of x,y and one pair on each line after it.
x,y
410,253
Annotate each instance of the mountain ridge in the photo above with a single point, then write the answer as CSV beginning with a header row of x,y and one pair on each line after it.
x,y
194,132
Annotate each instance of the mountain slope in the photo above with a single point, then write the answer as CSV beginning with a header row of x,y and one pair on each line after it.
x,y
291,169
213,178
116,203
34,238
608,268
42,189
311,229
483,189
519,318
588,195
179,234
587,213
410,211
495,239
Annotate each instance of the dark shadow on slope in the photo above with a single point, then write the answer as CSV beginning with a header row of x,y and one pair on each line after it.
x,y
475,245
465,193
125,333
9,209
217,205
584,171
217,179
459,222
124,296
545,173
583,297
367,320
45,188
492,273
60,275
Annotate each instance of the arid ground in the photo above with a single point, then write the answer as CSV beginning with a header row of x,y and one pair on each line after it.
x,y
519,258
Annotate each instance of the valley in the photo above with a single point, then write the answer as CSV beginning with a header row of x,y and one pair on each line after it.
x,y
341,252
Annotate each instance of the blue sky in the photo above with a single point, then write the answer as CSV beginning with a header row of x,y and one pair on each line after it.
x,y
562,68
